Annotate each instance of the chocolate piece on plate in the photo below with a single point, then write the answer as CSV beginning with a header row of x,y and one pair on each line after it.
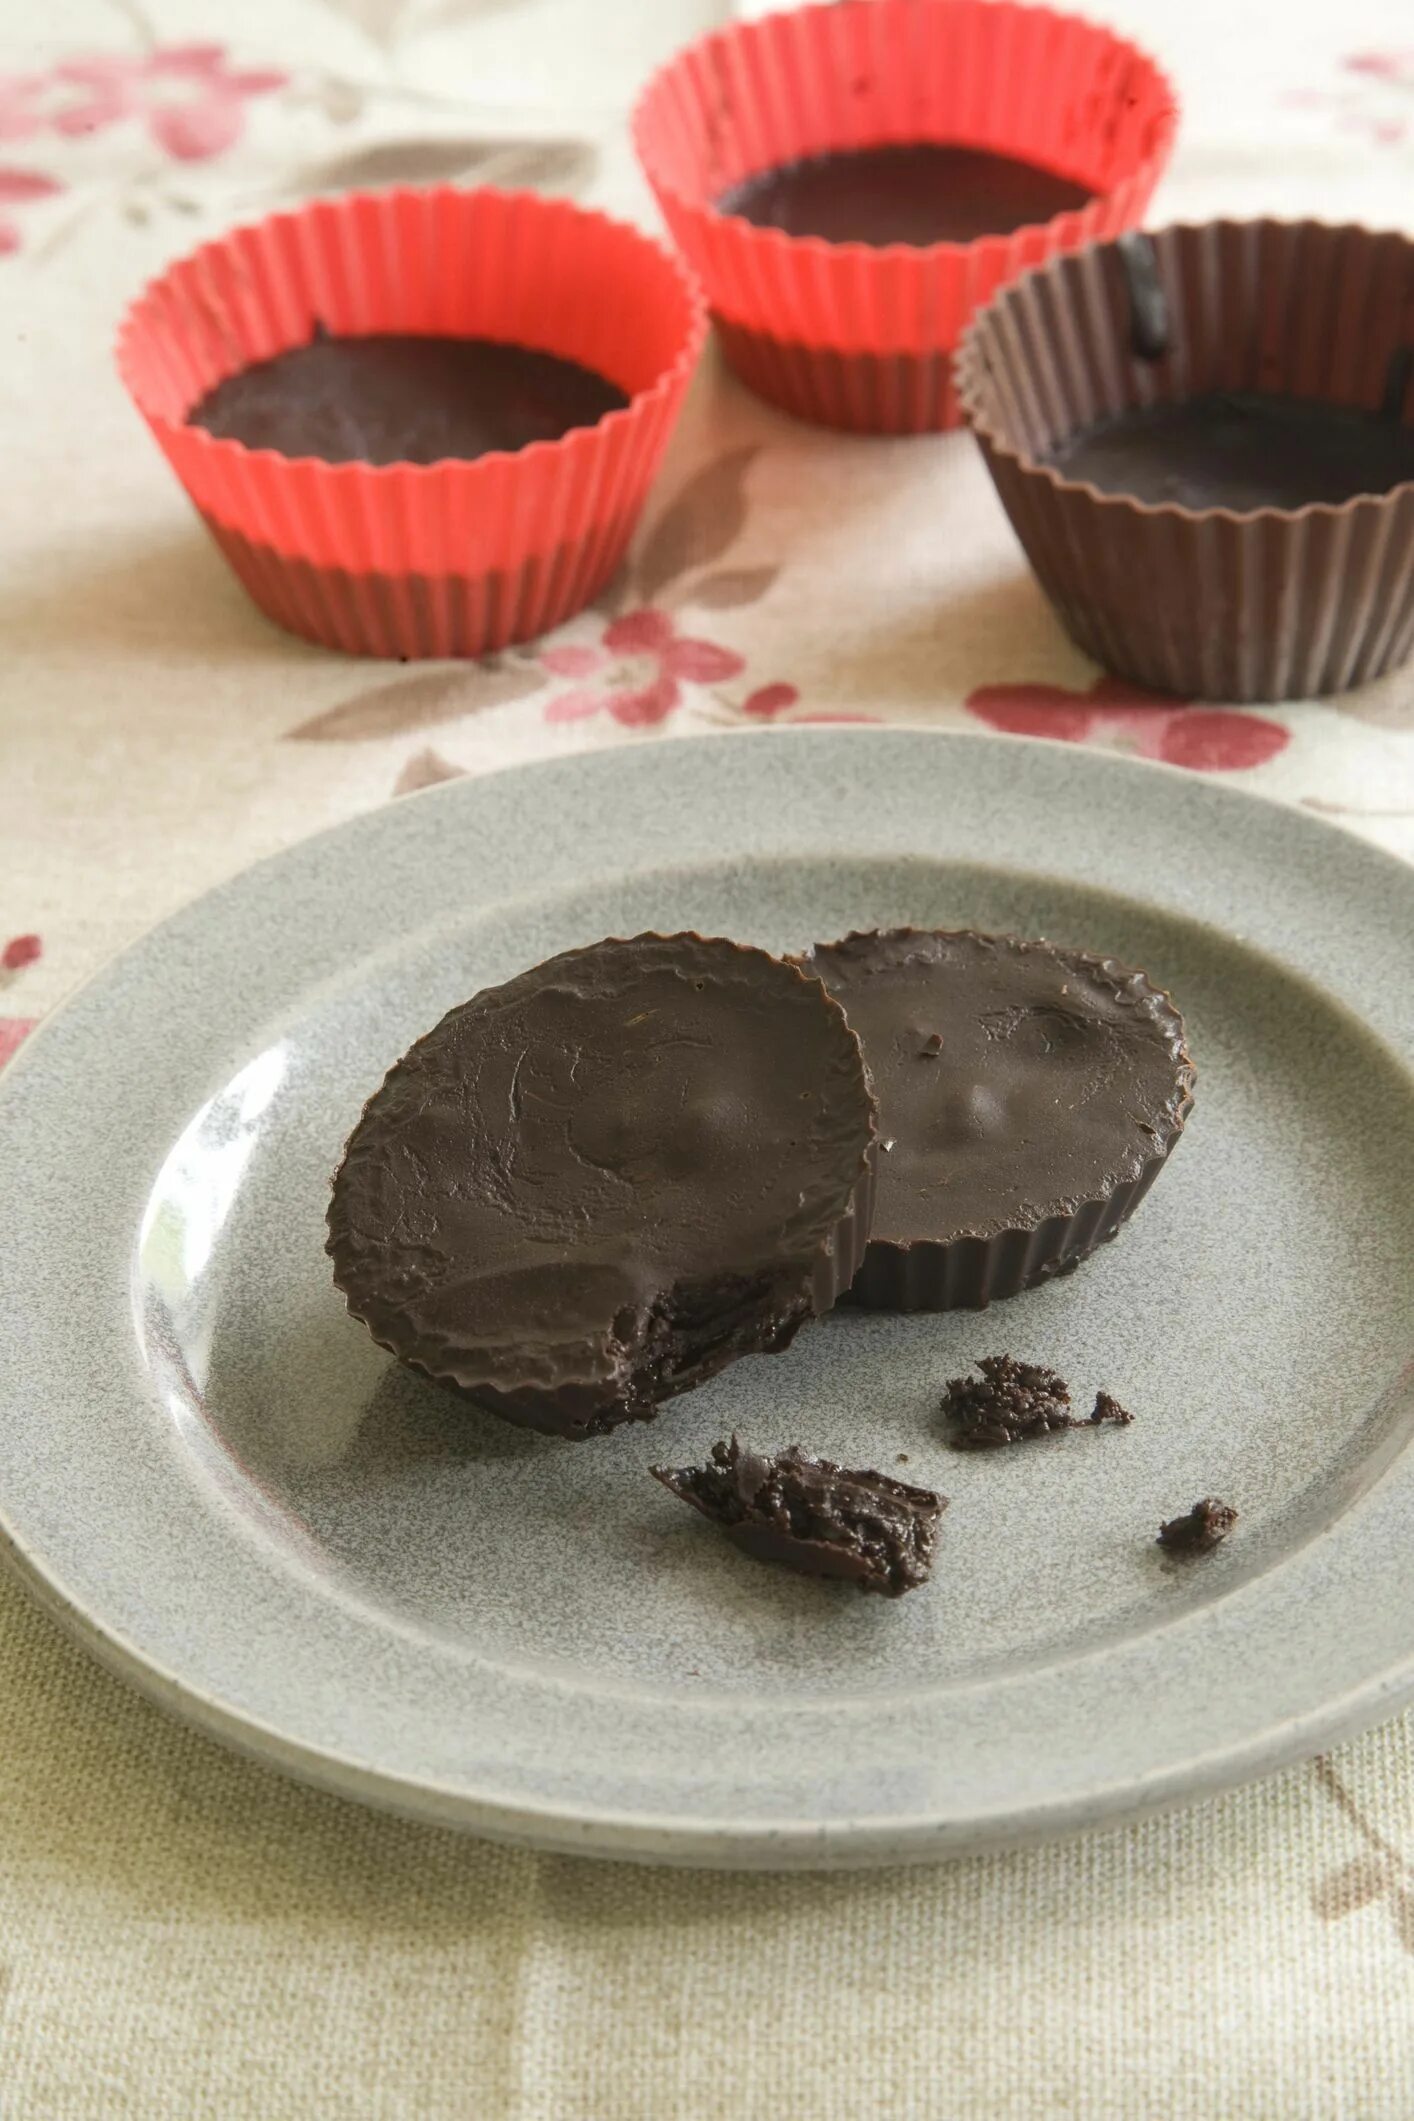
x,y
809,1514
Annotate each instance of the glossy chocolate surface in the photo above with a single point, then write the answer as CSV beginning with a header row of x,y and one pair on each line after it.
x,y
1015,1080
916,194
816,1517
394,399
1241,451
596,1185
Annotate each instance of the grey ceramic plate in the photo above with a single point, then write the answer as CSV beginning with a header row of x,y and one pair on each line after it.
x,y
234,1497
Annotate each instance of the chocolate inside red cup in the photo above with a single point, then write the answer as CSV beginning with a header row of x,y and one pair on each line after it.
x,y
1059,128
459,555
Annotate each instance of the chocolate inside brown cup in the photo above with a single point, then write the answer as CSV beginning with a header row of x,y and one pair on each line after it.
x,y
1241,589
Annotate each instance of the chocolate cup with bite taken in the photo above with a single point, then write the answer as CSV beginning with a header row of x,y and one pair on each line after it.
x,y
597,1185
1205,442
1028,1098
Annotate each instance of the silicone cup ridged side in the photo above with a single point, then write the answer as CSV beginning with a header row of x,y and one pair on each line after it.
x,y
863,337
1208,604
574,1408
971,1272
455,558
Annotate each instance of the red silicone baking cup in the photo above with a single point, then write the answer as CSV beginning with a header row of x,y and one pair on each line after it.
x,y
858,336
449,559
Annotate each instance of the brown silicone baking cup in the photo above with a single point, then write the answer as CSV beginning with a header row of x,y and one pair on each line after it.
x,y
971,1272
1272,604
975,1269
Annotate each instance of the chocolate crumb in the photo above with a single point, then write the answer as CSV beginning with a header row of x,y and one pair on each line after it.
x,y
811,1515
1013,1401
1204,1527
1009,1403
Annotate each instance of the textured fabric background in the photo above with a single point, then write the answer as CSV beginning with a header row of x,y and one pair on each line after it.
x,y
182,1933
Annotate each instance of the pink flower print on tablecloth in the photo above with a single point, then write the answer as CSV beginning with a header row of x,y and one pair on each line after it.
x,y
191,99
1209,739
14,1030
18,953
21,187
768,701
21,111
1397,67
1379,103
638,670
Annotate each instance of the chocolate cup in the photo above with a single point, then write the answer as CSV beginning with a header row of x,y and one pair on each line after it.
x,y
425,1208
970,1268
969,1273
1272,604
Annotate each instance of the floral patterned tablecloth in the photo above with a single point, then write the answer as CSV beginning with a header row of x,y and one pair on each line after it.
x,y
182,1933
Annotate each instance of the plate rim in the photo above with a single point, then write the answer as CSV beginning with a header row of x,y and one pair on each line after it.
x,y
745,1843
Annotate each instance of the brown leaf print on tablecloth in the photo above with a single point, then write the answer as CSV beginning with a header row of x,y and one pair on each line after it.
x,y
551,164
729,588
1356,1883
1386,704
637,667
380,20
426,769
387,22
704,521
419,702
1380,1873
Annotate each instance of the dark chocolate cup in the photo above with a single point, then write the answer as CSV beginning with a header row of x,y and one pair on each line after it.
x,y
971,1270
1272,604
758,1310
575,1410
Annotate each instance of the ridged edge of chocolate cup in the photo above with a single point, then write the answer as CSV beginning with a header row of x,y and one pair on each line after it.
x,y
831,386
573,1409
969,1272
1271,604
391,614
973,1272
